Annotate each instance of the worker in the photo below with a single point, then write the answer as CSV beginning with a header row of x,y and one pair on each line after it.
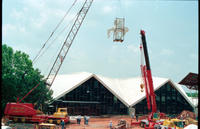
x,y
181,118
78,119
85,119
136,116
110,124
182,124
132,115
187,115
63,124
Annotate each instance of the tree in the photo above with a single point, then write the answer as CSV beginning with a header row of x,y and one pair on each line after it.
x,y
19,77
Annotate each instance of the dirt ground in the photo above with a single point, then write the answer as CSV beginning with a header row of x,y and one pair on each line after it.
x,y
100,123
94,123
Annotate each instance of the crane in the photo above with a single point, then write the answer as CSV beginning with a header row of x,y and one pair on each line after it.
x,y
147,77
26,111
147,82
66,46
68,42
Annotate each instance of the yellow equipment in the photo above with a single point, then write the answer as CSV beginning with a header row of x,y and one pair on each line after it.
x,y
174,123
189,121
47,126
58,116
61,112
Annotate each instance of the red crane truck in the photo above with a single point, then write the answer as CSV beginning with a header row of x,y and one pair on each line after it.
x,y
25,112
148,84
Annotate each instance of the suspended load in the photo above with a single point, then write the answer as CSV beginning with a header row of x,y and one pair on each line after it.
x,y
119,30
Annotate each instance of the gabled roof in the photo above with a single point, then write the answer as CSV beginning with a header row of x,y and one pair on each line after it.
x,y
65,83
191,81
126,90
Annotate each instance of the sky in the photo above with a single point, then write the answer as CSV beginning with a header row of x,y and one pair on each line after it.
x,y
171,33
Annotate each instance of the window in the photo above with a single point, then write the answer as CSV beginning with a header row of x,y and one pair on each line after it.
x,y
95,84
163,99
63,110
168,88
157,98
115,99
173,97
168,98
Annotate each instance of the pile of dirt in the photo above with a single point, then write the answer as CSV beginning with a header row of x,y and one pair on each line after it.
x,y
186,114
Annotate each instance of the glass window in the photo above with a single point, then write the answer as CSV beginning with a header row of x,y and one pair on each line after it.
x,y
95,84
168,97
168,87
115,99
173,90
173,97
168,109
163,99
157,98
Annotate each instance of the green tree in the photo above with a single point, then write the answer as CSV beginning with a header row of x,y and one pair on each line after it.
x,y
19,77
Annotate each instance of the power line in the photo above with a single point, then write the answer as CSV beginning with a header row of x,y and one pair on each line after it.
x,y
55,38
38,55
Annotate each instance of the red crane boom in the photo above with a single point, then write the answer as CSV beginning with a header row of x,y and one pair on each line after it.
x,y
147,77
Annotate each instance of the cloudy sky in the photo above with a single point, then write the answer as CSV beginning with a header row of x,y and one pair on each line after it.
x,y
171,32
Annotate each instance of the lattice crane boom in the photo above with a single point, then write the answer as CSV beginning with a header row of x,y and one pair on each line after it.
x,y
68,42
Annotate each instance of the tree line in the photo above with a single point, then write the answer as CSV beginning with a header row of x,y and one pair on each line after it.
x,y
19,77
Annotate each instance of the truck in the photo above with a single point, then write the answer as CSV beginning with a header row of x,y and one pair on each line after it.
x,y
61,114
154,116
25,112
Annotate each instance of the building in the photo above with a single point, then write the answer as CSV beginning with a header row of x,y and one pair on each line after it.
x,y
191,82
91,94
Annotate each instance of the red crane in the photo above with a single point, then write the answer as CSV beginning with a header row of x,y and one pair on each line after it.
x,y
147,77
147,82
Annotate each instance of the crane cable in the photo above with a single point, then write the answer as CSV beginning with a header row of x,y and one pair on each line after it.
x,y
121,8
57,36
37,56
141,65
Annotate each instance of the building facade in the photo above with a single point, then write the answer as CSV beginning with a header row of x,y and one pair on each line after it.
x,y
168,100
93,97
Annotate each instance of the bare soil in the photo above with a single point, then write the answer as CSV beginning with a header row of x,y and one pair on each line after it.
x,y
94,123
101,123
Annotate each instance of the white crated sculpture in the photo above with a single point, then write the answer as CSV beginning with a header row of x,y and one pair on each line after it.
x,y
119,30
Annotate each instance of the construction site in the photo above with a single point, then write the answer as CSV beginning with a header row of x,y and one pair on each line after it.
x,y
87,100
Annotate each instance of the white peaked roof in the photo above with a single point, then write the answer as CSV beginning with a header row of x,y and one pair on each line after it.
x,y
65,83
127,90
